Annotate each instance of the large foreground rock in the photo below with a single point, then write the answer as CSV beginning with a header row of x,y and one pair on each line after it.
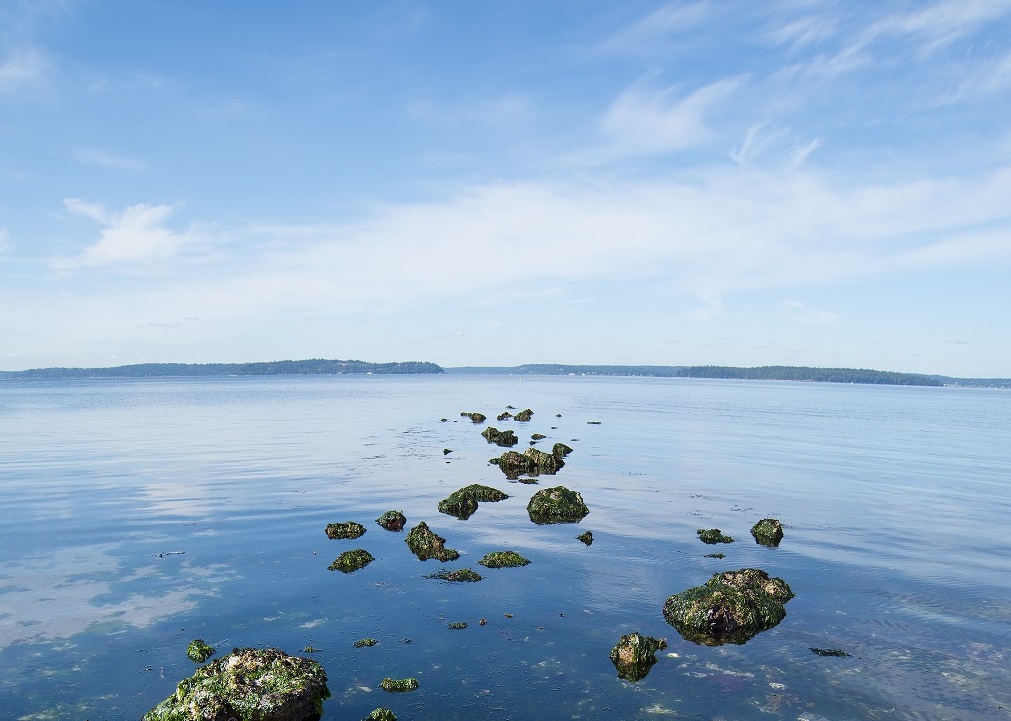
x,y
731,607
249,684
557,505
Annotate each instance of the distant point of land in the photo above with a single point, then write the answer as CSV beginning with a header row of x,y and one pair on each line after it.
x,y
320,366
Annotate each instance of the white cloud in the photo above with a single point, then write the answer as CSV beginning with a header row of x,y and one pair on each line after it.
x,y
21,68
644,34
134,235
105,159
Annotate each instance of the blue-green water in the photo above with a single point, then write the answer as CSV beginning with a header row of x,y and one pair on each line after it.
x,y
138,515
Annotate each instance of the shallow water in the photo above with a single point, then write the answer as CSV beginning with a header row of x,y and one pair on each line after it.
x,y
140,514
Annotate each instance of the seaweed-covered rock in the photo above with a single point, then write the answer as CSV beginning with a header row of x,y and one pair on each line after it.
x,y
730,607
503,559
531,462
457,625
634,655
463,502
350,561
523,415
586,538
476,417
504,416
537,436
713,536
461,575
249,684
392,520
503,439
560,450
349,529
397,685
365,642
198,651
768,532
425,544
836,652
557,505
381,714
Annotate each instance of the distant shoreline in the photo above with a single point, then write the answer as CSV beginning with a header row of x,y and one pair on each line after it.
x,y
320,366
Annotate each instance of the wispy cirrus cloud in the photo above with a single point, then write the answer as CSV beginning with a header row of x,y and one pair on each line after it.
x,y
21,68
135,235
644,34
104,159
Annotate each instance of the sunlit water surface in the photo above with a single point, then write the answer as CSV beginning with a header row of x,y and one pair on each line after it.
x,y
140,514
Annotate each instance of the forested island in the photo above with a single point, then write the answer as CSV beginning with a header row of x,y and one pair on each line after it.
x,y
313,366
321,366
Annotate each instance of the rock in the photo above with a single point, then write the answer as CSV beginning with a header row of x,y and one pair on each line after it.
x,y
586,538
768,532
351,561
198,651
463,502
531,462
398,685
503,439
837,652
557,505
524,415
446,451
457,625
537,437
504,416
249,684
503,559
476,417
560,450
380,714
713,536
529,481
425,544
731,607
350,529
593,423
365,643
462,575
392,521
714,555
634,655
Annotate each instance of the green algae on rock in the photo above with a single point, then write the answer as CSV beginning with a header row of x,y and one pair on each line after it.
x,y
349,529
398,685
463,502
457,625
537,436
731,607
425,544
380,714
392,520
634,655
837,652
586,538
503,439
351,561
713,536
560,450
249,684
198,651
714,555
476,417
531,462
768,532
523,416
461,575
557,505
504,416
503,559
365,642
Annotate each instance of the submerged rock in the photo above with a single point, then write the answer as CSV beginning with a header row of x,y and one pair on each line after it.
x,y
503,439
380,714
365,642
249,684
634,655
768,532
463,502
397,685
557,505
476,417
503,559
531,462
350,529
586,538
351,561
461,575
392,521
837,652
713,536
524,415
457,625
730,607
198,651
425,544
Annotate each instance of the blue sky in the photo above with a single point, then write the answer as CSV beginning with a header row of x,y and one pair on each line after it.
x,y
796,182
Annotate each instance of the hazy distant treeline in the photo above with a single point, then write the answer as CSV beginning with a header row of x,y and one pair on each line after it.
x,y
313,366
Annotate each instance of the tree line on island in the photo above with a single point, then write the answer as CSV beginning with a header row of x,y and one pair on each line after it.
x,y
322,366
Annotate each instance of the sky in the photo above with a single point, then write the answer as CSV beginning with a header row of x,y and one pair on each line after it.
x,y
727,182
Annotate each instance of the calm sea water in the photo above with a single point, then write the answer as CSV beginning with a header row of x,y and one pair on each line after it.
x,y
140,514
